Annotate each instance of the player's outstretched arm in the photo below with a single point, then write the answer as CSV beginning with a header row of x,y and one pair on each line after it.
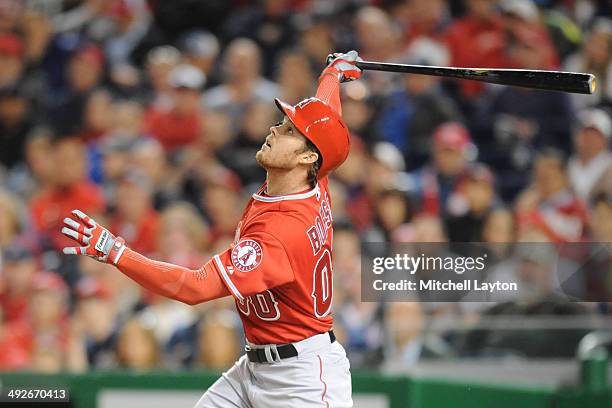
x,y
340,68
173,281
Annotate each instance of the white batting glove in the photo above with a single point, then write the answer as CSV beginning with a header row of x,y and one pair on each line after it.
x,y
343,65
97,242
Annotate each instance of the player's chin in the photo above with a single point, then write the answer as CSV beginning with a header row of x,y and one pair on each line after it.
x,y
260,156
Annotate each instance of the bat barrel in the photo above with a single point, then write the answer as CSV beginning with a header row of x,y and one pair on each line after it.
x,y
549,80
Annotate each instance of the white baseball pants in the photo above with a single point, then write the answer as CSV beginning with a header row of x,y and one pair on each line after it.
x,y
318,377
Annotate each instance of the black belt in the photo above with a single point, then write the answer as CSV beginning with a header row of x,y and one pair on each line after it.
x,y
277,353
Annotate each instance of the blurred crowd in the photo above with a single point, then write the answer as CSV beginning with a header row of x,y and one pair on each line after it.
x,y
146,114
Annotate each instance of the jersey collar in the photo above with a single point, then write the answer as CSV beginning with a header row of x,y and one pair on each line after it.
x,y
297,196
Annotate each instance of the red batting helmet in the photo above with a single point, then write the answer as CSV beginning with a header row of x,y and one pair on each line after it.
x,y
322,125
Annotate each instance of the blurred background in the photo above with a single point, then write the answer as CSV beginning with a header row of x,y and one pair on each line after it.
x,y
146,114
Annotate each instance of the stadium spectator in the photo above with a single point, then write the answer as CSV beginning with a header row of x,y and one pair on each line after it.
x,y
221,202
137,348
378,37
392,208
420,18
11,60
512,124
352,177
499,231
405,322
82,18
359,324
47,360
182,235
414,111
294,77
239,155
126,294
436,182
11,15
243,82
316,36
385,164
594,260
36,174
115,152
601,220
14,353
218,327
126,119
97,315
37,33
134,214
268,23
130,21
471,203
477,40
595,57
338,195
182,238
359,111
18,269
84,73
423,228
591,164
15,124
549,204
179,126
201,49
379,40
160,61
47,320
70,188
523,15
217,131
97,116
148,155
10,222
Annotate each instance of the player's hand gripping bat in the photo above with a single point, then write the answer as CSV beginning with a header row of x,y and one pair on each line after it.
x,y
550,80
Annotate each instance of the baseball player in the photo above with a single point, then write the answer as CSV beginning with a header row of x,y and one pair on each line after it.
x,y
279,268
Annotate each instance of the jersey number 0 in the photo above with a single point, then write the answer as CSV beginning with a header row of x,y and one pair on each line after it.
x,y
265,305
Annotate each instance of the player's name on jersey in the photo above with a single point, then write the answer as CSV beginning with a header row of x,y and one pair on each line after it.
x,y
449,285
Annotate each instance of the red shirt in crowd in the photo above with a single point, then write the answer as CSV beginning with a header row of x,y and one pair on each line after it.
x,y
476,43
15,346
140,237
14,308
171,129
50,208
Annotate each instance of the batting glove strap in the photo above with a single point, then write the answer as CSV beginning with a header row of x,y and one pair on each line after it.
x,y
343,66
97,242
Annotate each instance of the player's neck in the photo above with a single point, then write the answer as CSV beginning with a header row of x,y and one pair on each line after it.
x,y
280,183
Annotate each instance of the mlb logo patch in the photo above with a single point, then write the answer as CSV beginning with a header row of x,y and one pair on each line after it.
x,y
246,255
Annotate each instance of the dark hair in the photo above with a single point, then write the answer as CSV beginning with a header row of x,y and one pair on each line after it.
x,y
316,166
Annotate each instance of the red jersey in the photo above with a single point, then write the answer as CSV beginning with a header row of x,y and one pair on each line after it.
x,y
171,129
50,207
279,268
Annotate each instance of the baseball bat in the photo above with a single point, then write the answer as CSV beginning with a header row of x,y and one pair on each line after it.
x,y
551,80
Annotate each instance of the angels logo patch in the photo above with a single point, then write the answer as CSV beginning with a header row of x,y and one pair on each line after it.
x,y
246,255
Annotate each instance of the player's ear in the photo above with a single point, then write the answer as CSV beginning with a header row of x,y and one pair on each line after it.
x,y
308,157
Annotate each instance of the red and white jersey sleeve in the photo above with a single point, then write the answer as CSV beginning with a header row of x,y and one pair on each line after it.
x,y
254,264
279,269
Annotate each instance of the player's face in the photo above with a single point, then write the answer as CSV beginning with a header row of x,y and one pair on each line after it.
x,y
283,148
